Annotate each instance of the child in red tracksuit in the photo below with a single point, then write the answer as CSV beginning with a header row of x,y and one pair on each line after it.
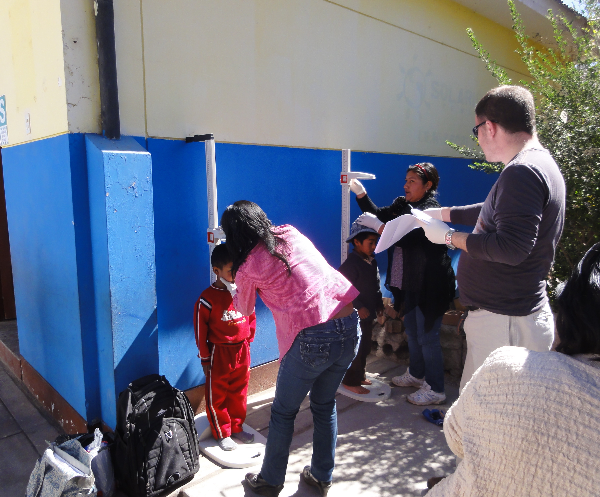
x,y
223,337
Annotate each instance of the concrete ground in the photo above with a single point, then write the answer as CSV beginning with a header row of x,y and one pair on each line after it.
x,y
24,429
384,449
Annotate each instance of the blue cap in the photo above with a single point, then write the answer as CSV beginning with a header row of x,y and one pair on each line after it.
x,y
356,228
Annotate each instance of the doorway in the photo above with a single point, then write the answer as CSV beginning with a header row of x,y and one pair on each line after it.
x,y
7,291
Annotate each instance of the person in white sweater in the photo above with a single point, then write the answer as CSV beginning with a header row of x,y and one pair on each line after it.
x,y
528,423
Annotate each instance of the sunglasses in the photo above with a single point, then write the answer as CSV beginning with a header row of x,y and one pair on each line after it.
x,y
476,128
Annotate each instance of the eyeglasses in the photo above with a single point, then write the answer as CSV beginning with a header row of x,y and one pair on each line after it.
x,y
476,128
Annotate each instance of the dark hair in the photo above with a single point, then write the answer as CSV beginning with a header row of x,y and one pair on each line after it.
x,y
245,225
427,172
220,256
578,317
512,107
362,236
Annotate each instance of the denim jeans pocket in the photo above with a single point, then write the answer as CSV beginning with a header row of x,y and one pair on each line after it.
x,y
314,354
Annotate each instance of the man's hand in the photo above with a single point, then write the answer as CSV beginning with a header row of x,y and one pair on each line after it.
x,y
370,221
206,369
357,187
434,212
363,313
231,286
440,213
435,231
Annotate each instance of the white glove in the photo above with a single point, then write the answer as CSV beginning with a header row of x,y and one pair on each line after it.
x,y
434,212
435,231
357,187
232,287
370,221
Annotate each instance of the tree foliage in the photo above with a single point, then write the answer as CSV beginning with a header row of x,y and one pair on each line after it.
x,y
565,82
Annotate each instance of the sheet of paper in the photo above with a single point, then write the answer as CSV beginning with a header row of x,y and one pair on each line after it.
x,y
397,228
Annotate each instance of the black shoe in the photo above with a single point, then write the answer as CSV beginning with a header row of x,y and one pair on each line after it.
x,y
309,479
260,486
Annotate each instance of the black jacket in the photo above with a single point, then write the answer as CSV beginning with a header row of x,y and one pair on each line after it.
x,y
426,267
365,278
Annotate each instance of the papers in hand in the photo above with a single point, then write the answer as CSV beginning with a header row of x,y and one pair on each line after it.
x,y
396,228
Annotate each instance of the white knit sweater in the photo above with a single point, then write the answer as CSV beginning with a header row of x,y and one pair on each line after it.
x,y
527,424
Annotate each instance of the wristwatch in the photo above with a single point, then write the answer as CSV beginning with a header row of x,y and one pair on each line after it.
x,y
448,239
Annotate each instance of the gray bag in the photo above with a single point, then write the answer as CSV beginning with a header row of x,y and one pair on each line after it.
x,y
64,470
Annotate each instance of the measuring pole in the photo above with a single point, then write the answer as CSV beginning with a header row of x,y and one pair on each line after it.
x,y
214,233
345,202
345,179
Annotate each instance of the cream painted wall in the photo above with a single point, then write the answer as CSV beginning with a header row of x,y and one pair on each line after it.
x,y
394,76
32,74
48,68
81,66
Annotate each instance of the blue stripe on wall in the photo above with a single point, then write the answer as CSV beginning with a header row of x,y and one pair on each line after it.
x,y
39,179
182,269
48,211
293,186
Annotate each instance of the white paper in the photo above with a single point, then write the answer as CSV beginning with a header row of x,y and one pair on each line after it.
x,y
397,228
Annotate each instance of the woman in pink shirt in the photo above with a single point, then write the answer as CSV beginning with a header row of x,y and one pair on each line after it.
x,y
317,333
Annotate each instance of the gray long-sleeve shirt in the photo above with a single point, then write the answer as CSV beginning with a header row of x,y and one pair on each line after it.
x,y
516,233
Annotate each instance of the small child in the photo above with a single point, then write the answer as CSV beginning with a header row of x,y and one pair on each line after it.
x,y
360,268
223,337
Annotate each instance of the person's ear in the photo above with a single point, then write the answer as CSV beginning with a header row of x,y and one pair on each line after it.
x,y
216,271
428,185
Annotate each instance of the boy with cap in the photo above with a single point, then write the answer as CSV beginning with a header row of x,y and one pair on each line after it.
x,y
360,268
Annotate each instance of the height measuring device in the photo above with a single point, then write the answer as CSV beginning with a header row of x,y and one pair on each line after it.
x,y
345,177
214,234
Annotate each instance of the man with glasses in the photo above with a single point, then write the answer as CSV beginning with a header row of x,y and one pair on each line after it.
x,y
505,261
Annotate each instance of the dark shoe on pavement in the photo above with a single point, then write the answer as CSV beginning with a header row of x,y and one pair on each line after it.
x,y
433,481
244,437
261,487
309,479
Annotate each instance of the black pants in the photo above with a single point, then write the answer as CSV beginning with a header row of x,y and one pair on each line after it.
x,y
356,372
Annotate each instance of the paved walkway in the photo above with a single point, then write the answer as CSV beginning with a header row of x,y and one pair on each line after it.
x,y
24,430
384,449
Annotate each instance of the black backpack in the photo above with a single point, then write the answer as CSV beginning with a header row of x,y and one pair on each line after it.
x,y
156,444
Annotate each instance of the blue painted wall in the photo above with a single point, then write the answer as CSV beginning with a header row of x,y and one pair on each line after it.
x,y
45,207
294,186
122,227
180,223
96,227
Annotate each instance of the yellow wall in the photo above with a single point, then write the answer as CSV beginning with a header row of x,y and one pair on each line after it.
x,y
394,76
53,79
31,68
81,66
382,75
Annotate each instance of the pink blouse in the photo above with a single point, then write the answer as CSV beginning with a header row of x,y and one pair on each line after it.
x,y
312,294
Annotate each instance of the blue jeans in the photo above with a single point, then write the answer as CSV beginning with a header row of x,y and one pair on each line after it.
x,y
316,362
424,349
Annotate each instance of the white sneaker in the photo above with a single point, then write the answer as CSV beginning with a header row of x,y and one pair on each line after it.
x,y
425,396
407,380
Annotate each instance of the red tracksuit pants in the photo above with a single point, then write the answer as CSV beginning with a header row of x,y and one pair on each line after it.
x,y
227,388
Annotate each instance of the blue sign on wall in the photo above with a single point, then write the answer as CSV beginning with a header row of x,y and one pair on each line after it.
x,y
3,122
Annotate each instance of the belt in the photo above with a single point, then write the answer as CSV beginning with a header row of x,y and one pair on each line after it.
x,y
472,308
